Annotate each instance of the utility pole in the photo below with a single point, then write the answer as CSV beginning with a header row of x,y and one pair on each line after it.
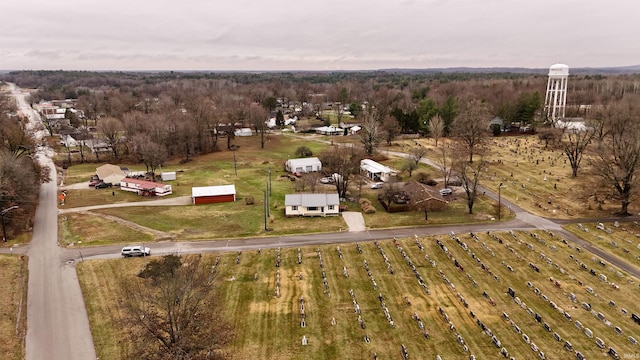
x,y
499,200
265,209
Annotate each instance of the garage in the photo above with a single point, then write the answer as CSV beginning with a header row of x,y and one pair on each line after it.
x,y
213,194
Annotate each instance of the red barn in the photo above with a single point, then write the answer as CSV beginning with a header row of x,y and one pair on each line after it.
x,y
213,194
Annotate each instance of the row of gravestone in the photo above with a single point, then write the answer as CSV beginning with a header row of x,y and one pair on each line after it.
x,y
373,280
384,256
324,275
412,266
214,268
277,294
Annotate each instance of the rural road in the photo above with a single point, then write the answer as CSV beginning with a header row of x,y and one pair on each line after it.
x,y
58,327
57,322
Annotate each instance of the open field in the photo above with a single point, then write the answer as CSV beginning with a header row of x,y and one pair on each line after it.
x,y
268,326
13,302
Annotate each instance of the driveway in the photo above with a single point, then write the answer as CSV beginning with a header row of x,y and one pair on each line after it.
x,y
354,220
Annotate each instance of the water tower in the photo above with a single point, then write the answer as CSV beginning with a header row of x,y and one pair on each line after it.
x,y
556,98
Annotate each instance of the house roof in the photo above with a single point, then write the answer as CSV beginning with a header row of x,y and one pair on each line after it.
x,y
375,168
307,200
144,184
419,192
198,191
107,170
304,161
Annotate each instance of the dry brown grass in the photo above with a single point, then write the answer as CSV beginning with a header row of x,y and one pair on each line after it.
x,y
268,327
536,178
13,302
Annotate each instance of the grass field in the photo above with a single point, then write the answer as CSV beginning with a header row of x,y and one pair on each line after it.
x,y
13,302
268,327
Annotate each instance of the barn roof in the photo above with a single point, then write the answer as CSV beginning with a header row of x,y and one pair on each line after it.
x,y
199,191
311,199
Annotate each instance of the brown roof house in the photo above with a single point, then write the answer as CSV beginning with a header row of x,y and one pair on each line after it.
x,y
424,197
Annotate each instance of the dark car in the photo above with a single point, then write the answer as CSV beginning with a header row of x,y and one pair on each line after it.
x,y
103,185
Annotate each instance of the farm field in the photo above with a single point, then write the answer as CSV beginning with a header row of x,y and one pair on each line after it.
x,y
367,298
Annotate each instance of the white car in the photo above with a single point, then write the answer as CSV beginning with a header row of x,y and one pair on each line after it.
x,y
445,191
326,180
377,185
137,250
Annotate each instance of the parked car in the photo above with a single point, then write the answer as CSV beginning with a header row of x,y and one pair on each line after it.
x,y
445,191
136,250
326,180
103,185
94,182
377,185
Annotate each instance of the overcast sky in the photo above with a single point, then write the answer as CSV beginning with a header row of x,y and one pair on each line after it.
x,y
316,35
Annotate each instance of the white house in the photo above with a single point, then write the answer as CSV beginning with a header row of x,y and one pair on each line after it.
x,y
303,165
376,171
311,204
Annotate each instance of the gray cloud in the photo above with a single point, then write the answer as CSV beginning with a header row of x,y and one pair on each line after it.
x,y
332,34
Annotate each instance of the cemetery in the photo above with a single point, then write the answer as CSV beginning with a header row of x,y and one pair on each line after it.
x,y
455,296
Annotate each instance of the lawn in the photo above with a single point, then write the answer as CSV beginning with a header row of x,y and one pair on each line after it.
x,y
268,326
13,318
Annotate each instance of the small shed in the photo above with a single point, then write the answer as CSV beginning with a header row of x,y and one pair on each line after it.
x,y
303,165
311,204
213,194
376,171
110,173
145,188
167,176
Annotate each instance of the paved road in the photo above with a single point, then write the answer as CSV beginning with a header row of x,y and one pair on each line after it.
x,y
57,322
58,326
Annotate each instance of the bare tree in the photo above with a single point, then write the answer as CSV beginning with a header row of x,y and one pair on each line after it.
x,y
344,162
573,144
436,128
470,174
391,129
409,166
152,154
471,126
371,134
417,153
112,130
445,162
170,311
618,157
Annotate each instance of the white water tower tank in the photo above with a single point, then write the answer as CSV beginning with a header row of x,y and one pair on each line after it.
x,y
556,97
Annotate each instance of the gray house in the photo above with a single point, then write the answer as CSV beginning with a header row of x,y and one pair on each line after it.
x,y
311,204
